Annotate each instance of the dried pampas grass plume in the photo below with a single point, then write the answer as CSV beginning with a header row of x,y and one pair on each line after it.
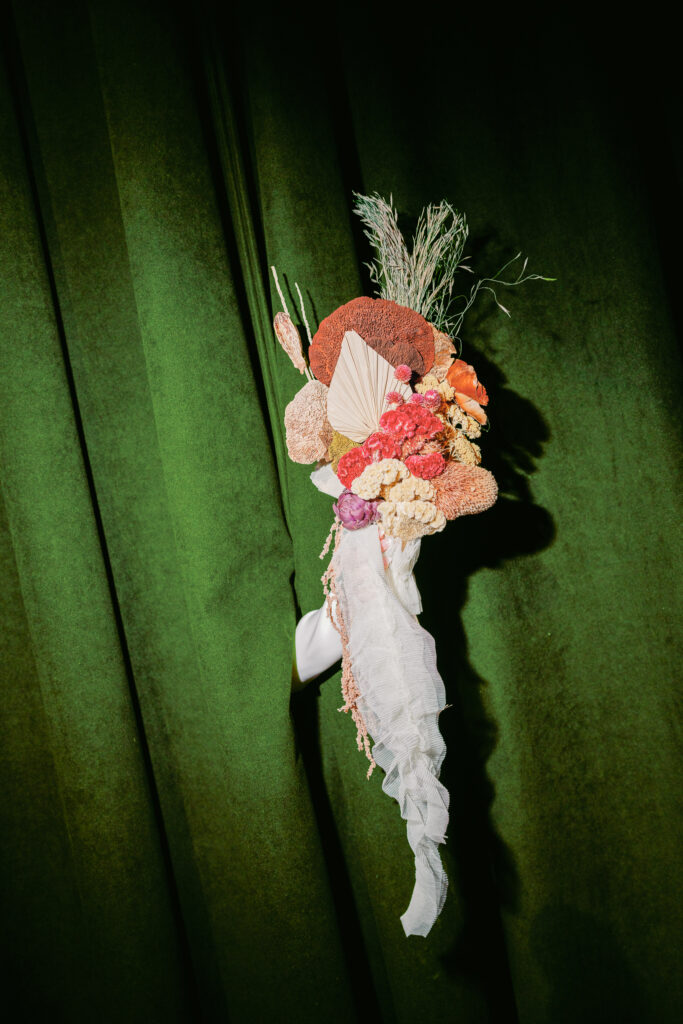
x,y
287,333
288,336
424,279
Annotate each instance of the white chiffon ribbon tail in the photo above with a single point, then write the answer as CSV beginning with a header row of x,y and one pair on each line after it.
x,y
401,695
317,644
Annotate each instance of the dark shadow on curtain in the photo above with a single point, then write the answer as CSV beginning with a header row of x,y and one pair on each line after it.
x,y
305,715
598,965
486,876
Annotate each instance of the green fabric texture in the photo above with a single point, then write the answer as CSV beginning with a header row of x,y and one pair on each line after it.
x,y
181,840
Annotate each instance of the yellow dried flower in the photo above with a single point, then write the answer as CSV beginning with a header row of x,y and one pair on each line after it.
x,y
340,445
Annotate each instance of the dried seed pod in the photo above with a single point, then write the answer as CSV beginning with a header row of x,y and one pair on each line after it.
x,y
464,490
289,338
444,354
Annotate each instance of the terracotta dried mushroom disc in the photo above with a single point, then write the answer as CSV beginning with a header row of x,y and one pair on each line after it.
x,y
399,334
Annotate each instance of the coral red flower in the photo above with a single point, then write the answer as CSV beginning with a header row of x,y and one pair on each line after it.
x,y
426,466
352,465
469,393
412,446
410,421
381,446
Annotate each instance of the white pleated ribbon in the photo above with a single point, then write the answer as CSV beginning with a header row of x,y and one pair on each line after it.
x,y
394,664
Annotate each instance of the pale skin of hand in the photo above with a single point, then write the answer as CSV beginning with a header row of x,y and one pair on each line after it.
x,y
384,544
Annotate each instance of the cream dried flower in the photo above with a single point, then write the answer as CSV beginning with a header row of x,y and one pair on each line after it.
x,y
408,520
378,475
463,450
410,489
459,419
432,383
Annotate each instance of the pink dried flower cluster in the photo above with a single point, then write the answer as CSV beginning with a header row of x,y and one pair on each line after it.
x,y
381,446
354,512
410,421
393,398
431,399
377,447
403,373
352,465
426,466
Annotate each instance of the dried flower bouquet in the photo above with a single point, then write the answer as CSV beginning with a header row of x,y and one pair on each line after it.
x,y
390,415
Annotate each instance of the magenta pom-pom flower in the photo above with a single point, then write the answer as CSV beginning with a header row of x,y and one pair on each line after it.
x,y
354,512
403,373
417,399
393,398
431,399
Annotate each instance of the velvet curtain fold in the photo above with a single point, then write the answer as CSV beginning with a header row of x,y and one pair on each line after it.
x,y
178,843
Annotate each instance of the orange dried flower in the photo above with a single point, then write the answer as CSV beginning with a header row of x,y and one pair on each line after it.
x,y
469,393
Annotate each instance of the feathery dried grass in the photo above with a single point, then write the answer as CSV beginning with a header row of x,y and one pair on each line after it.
x,y
424,279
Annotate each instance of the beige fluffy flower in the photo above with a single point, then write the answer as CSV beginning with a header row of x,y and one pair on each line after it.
x,y
307,429
444,354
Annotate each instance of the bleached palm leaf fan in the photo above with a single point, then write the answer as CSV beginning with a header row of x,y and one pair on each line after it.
x,y
357,394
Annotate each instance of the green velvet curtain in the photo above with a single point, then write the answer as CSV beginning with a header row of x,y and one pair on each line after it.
x,y
178,841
